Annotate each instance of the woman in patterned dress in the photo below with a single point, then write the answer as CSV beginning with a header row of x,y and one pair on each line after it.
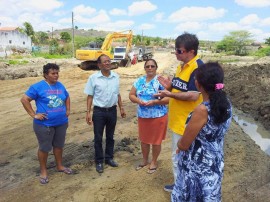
x,y
152,114
201,159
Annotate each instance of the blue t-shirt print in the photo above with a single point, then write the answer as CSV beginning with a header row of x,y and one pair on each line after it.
x,y
55,101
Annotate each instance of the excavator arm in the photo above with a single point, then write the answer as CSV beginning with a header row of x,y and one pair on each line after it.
x,y
116,35
90,56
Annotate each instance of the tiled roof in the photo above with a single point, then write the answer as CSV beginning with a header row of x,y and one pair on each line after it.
x,y
8,28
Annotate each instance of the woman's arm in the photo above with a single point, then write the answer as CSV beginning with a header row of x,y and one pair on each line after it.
x,y
25,100
196,123
133,98
68,106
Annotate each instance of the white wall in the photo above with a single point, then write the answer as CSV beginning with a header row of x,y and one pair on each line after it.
x,y
14,39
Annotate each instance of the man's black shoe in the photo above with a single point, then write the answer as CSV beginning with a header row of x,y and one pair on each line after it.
x,y
99,167
111,162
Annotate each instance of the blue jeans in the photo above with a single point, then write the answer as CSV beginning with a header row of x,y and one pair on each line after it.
x,y
104,119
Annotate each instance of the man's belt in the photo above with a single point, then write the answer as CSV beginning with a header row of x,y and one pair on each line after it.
x,y
105,109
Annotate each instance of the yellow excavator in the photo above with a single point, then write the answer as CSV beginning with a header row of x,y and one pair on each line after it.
x,y
89,57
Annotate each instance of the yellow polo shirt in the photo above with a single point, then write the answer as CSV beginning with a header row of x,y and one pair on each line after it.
x,y
183,81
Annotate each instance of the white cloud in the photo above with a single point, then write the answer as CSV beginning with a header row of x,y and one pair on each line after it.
x,y
101,17
189,26
252,3
84,10
115,26
146,26
141,7
7,22
18,6
159,17
196,14
265,22
250,19
117,12
224,27
61,13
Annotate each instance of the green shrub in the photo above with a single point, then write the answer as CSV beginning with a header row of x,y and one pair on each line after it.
x,y
262,52
51,56
17,62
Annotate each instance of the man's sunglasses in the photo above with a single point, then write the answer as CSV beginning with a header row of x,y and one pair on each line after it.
x,y
179,51
148,66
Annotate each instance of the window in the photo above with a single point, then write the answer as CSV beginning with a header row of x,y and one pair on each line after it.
x,y
23,43
10,41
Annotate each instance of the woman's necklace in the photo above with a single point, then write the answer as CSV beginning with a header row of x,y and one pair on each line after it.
x,y
52,91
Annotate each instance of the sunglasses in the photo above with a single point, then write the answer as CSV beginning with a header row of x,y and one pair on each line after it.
x,y
148,66
179,51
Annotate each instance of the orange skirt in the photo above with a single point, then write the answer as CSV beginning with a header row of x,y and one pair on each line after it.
x,y
153,130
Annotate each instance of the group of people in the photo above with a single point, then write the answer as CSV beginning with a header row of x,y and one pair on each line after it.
x,y
198,114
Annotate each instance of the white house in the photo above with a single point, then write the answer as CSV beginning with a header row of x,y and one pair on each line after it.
x,y
11,40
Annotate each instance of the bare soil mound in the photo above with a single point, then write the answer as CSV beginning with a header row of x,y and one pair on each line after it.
x,y
249,89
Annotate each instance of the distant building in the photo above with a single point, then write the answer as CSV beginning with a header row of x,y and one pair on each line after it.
x,y
11,40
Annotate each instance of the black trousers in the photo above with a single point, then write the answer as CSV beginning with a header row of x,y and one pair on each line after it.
x,y
104,118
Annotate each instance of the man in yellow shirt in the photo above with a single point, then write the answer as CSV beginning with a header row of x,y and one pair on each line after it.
x,y
181,90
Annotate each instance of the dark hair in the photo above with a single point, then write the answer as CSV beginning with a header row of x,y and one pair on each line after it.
x,y
49,66
99,58
208,75
188,41
154,61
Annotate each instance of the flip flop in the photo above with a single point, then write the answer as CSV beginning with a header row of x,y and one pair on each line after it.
x,y
140,166
43,180
151,170
67,171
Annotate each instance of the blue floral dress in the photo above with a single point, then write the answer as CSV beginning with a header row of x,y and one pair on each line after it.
x,y
145,91
201,166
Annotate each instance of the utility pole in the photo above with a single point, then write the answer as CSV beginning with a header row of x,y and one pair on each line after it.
x,y
52,32
73,49
142,38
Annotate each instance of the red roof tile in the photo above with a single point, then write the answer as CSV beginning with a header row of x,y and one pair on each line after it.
x,y
8,28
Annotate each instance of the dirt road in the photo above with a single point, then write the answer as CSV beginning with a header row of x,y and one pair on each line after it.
x,y
247,176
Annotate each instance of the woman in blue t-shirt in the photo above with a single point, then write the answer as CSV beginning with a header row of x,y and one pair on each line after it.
x,y
152,114
50,120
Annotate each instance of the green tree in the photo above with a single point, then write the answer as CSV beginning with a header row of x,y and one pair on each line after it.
x,y
236,42
267,41
29,31
65,36
54,46
76,27
41,37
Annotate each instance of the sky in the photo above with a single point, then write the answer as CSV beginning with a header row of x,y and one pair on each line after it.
x,y
208,19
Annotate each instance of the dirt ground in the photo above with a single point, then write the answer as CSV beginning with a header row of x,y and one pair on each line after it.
x,y
246,176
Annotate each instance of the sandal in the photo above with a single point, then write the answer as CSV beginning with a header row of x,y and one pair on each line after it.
x,y
43,180
67,171
140,166
151,170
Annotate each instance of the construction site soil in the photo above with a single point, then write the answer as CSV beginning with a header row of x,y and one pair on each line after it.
x,y
246,174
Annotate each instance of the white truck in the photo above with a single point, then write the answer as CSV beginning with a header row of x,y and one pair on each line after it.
x,y
144,53
123,57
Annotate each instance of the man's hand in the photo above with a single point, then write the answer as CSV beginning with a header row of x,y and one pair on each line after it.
x,y
165,82
122,112
163,93
88,118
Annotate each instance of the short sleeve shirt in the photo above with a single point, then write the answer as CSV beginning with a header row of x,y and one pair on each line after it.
x,y
104,89
145,91
183,81
51,100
